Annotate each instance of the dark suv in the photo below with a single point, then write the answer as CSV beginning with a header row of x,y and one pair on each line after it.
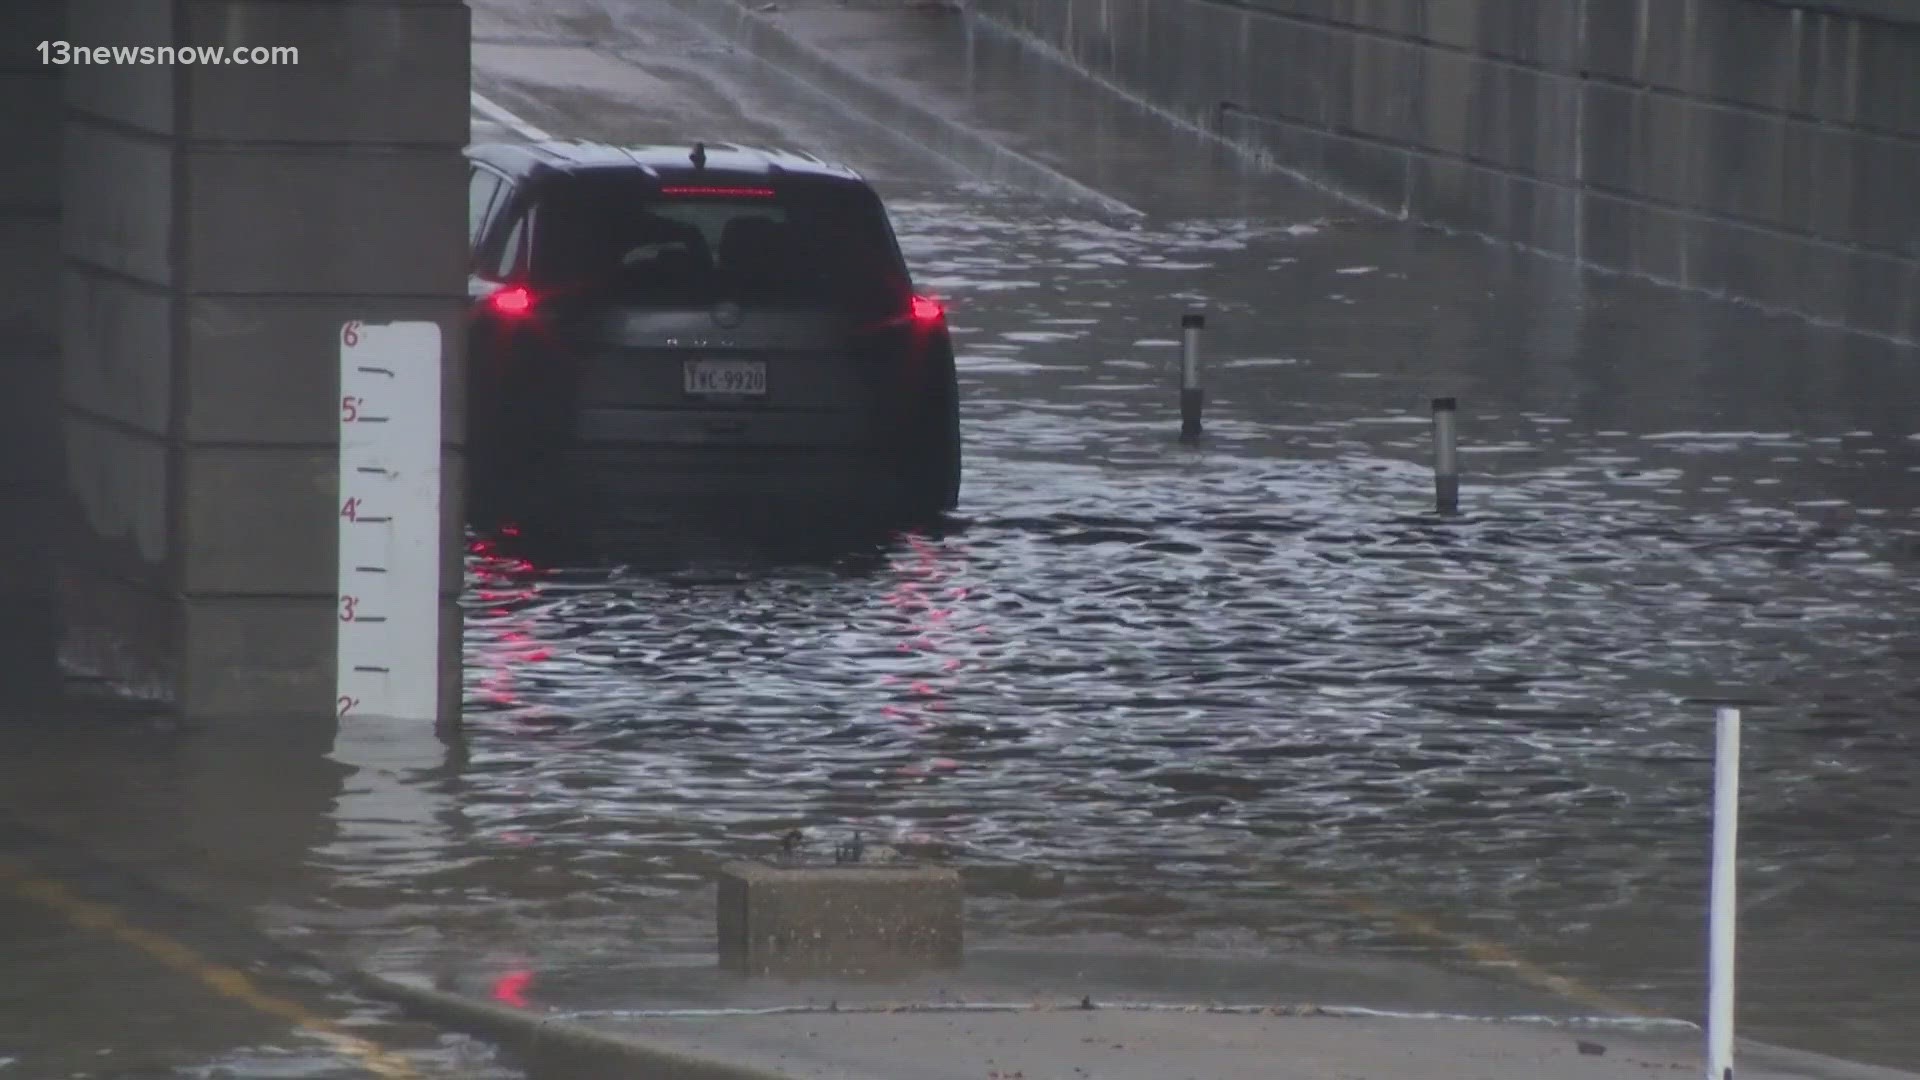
x,y
702,320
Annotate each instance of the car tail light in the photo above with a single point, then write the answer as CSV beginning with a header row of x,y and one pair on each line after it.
x,y
923,315
925,311
512,302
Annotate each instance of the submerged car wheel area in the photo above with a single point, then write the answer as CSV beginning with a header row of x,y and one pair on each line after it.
x,y
714,322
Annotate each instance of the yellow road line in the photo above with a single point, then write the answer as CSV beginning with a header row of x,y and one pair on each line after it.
x,y
228,982
1496,955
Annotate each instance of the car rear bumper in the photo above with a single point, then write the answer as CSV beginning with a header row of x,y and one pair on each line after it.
x,y
723,428
635,478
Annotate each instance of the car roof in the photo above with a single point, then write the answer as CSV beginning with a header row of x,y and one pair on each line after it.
x,y
662,161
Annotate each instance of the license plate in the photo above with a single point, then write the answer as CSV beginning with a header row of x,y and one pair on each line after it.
x,y
726,378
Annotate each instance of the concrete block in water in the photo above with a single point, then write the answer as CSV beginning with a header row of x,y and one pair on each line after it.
x,y
838,920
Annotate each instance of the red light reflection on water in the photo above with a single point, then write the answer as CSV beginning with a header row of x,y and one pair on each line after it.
x,y
922,595
504,583
511,988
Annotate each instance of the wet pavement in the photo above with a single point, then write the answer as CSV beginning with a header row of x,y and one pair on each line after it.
x,y
1250,697
132,862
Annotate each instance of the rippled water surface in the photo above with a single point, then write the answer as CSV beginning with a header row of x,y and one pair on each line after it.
x,y
1256,688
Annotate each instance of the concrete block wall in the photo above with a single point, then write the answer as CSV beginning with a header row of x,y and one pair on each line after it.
x,y
220,224
29,351
1762,148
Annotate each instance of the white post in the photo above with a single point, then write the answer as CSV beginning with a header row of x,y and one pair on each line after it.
x,y
1726,825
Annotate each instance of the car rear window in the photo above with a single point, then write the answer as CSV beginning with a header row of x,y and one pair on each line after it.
x,y
799,242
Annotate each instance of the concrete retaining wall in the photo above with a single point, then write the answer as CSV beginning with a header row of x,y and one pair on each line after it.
x,y
219,224
1767,150
30,464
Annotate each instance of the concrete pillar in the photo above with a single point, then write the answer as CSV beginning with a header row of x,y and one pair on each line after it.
x,y
221,223
29,351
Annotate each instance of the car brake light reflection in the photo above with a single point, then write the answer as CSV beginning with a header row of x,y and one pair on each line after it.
x,y
511,989
514,301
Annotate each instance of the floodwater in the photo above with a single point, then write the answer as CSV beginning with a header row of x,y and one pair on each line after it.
x,y
1242,689
1253,694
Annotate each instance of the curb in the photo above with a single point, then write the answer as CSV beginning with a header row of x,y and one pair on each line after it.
x,y
552,1049
944,136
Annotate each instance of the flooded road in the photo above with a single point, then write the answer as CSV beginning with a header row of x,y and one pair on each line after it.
x,y
1151,690
1255,691
132,865
1252,694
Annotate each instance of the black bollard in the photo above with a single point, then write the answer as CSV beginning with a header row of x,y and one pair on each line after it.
x,y
1446,457
1192,397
